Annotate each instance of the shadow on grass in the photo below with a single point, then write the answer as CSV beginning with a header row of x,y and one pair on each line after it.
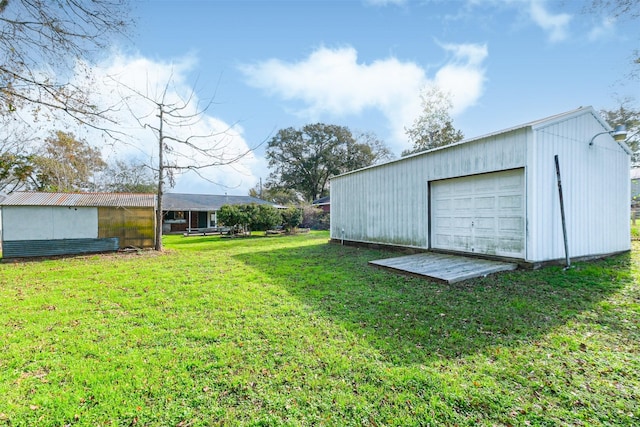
x,y
413,320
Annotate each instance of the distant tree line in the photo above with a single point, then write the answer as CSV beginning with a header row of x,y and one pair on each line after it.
x,y
64,163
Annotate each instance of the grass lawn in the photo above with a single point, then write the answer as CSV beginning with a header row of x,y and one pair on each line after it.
x,y
635,230
295,331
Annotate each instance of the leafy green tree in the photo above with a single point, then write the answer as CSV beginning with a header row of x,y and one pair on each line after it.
x,y
16,171
277,195
66,164
291,218
249,217
304,159
231,216
266,218
629,116
434,127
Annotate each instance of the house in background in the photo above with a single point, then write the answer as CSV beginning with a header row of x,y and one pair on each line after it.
x,y
323,203
198,212
635,187
38,224
497,195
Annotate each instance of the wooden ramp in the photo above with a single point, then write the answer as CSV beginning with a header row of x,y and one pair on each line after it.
x,y
443,267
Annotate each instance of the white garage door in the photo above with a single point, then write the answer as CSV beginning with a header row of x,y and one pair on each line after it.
x,y
480,214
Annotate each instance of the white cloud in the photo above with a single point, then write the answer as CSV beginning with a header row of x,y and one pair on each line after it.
x,y
604,30
121,75
331,82
555,25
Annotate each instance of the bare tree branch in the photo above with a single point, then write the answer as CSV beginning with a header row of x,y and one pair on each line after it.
x,y
185,142
61,34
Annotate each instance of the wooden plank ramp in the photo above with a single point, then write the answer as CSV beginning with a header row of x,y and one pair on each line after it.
x,y
443,267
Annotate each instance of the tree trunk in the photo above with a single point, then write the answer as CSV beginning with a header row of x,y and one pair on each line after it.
x,y
159,216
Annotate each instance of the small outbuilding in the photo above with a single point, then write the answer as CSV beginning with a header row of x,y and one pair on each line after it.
x,y
497,196
36,224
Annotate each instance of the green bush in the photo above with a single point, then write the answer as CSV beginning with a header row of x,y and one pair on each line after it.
x,y
291,218
249,217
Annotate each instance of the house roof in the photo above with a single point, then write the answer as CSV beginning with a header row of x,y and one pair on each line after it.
x,y
34,198
536,124
322,201
205,202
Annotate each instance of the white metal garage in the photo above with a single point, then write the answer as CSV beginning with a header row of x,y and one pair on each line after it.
x,y
497,195
480,214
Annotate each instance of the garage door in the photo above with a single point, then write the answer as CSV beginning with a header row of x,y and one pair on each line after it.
x,y
480,214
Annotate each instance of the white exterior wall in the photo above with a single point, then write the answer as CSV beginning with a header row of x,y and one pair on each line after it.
x,y
49,223
389,204
595,185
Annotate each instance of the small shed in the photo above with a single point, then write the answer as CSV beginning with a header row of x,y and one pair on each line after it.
x,y
198,212
497,196
38,224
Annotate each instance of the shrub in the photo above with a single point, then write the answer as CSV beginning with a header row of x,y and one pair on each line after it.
x,y
314,218
291,218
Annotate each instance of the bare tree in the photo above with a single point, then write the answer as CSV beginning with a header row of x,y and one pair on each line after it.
x,y
620,10
182,146
44,43
127,176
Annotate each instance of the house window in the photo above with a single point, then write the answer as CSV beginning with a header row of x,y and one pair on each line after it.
x,y
213,219
174,217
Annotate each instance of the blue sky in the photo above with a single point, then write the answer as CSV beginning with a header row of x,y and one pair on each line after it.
x,y
269,65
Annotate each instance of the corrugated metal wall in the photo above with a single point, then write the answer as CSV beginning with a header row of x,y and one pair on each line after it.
x,y
49,223
389,203
43,248
595,181
133,226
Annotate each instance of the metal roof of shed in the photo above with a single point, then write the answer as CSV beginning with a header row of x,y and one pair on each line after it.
x,y
28,198
205,202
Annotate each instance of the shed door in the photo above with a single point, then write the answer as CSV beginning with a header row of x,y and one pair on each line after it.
x,y
480,214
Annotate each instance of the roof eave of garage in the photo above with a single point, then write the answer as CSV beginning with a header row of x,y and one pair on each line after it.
x,y
533,125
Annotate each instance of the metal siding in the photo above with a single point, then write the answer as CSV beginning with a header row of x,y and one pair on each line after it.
x,y
595,183
132,226
49,222
388,203
42,248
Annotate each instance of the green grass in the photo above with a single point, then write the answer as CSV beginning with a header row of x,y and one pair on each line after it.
x,y
635,230
294,331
